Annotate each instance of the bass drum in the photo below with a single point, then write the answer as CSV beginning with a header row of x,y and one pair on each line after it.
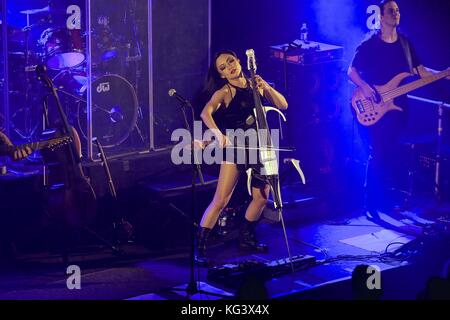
x,y
114,110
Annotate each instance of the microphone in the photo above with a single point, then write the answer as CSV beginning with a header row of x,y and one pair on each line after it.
x,y
173,93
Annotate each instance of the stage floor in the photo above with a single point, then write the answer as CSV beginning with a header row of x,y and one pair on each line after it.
x,y
338,245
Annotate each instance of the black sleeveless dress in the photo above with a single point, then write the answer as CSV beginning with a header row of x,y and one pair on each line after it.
x,y
239,115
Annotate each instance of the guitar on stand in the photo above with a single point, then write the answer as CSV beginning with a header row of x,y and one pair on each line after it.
x,y
369,111
119,223
51,144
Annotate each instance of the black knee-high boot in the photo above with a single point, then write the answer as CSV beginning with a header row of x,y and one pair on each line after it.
x,y
247,238
200,256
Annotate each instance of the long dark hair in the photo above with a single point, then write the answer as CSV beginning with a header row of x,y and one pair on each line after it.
x,y
213,80
212,83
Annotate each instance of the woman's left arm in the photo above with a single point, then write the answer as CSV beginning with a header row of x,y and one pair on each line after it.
x,y
276,98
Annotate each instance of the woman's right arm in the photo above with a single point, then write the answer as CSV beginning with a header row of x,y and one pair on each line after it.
x,y
213,104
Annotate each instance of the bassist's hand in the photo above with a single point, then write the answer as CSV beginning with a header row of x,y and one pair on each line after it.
x,y
368,92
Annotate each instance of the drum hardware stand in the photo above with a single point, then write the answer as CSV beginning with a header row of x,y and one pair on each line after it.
x,y
97,107
138,130
28,131
27,30
62,72
136,59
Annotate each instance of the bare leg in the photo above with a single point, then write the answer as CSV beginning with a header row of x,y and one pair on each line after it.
x,y
258,203
228,178
247,238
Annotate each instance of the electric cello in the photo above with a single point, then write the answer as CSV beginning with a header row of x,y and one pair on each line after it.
x,y
266,150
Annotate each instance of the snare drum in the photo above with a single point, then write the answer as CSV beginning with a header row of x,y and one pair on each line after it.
x,y
62,48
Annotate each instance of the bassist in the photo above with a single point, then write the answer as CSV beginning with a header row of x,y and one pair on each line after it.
x,y
377,60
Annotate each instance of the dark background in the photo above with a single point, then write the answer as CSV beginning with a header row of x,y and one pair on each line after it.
x,y
261,23
239,25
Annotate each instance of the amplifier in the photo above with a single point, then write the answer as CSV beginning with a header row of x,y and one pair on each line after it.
x,y
307,53
425,170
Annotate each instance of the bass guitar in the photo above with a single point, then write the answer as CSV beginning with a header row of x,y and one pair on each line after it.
x,y
369,111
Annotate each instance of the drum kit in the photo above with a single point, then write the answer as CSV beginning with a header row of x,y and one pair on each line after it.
x,y
115,109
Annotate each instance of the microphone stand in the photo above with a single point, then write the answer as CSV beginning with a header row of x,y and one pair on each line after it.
x,y
192,287
197,169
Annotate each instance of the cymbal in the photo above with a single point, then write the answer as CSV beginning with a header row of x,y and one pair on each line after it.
x,y
35,11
